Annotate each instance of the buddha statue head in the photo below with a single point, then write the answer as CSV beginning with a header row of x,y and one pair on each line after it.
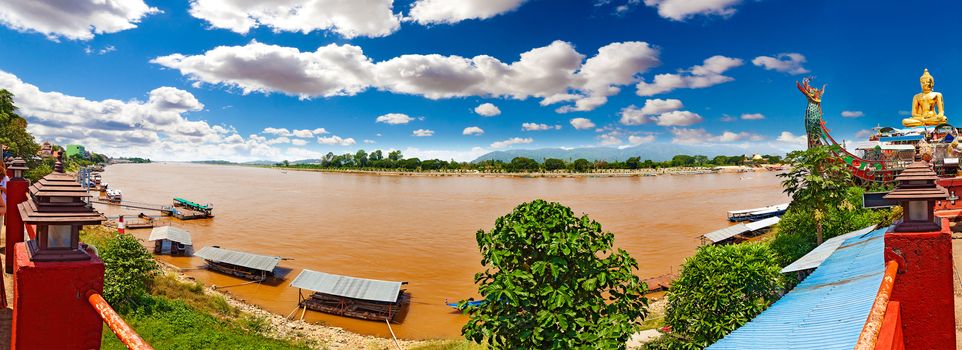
x,y
928,83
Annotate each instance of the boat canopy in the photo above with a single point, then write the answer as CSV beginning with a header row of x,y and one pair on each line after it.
x,y
170,233
233,257
348,287
769,208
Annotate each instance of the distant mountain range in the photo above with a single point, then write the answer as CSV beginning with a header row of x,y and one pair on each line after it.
x,y
652,151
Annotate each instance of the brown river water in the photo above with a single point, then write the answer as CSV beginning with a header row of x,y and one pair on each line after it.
x,y
419,229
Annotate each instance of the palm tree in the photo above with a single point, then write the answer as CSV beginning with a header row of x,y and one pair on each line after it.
x,y
816,182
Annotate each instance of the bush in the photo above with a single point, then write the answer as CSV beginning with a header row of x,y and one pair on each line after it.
x,y
553,281
128,268
795,233
719,289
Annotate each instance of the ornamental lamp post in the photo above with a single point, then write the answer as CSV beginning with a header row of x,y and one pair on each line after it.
x,y
917,192
57,205
17,166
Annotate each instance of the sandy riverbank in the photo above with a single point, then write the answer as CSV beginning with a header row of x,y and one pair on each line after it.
x,y
594,174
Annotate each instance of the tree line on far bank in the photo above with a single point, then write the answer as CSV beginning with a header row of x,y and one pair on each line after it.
x,y
394,160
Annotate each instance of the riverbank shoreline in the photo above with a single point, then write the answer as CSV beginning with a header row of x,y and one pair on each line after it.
x,y
595,174
283,328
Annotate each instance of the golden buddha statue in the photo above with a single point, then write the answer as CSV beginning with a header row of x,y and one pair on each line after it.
x,y
925,104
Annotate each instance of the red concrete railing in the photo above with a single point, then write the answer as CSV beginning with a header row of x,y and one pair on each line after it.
x,y
127,335
870,332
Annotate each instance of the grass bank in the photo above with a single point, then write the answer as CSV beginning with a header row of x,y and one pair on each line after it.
x,y
180,313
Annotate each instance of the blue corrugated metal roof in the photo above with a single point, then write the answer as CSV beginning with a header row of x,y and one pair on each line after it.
x,y
915,137
825,311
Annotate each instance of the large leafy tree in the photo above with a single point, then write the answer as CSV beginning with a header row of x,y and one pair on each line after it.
x,y
553,281
817,181
13,130
719,289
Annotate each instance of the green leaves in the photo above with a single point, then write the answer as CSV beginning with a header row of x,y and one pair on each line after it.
x,y
816,182
128,268
553,282
719,289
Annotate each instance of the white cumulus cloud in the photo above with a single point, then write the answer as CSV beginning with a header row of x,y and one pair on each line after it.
x,y
394,119
349,18
336,140
73,19
157,127
678,118
487,110
538,127
753,116
701,136
853,114
511,141
790,63
422,133
582,123
448,11
788,137
680,10
331,70
632,115
609,139
556,73
472,130
709,73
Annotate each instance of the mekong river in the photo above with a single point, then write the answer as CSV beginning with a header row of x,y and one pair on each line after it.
x,y
419,229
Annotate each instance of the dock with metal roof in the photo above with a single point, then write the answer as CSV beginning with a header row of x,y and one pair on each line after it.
x,y
730,233
242,264
362,298
171,240
828,309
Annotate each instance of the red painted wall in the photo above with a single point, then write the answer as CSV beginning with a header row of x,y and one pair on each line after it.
x,y
923,287
50,308
16,194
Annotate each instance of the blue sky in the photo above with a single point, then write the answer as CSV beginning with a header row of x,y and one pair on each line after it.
x,y
205,79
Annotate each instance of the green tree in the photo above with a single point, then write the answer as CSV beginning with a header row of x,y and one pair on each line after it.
x,y
553,281
719,289
794,235
128,267
552,164
376,156
13,130
816,182
394,155
360,158
633,162
523,164
581,165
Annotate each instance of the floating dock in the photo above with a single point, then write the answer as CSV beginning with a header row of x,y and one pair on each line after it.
x,y
188,210
250,266
740,232
362,298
